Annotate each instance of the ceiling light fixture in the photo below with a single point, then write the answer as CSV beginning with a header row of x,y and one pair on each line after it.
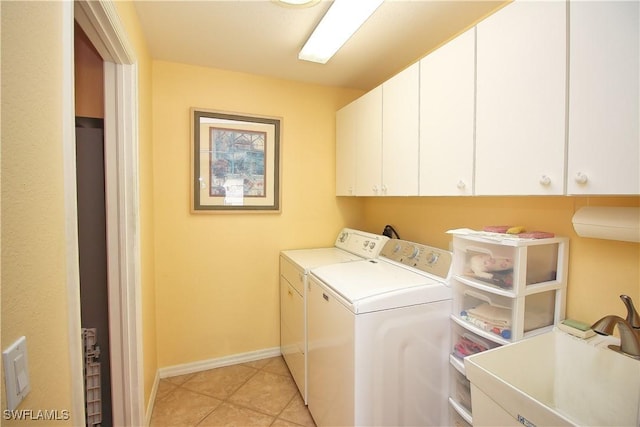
x,y
296,3
341,21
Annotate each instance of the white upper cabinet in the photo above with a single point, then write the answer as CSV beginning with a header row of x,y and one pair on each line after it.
x,y
447,108
400,133
604,140
521,100
359,145
369,143
377,140
346,150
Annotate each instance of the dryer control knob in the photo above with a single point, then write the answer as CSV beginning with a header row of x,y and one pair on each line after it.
x,y
414,252
433,258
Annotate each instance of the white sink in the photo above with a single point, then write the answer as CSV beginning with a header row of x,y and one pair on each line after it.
x,y
557,379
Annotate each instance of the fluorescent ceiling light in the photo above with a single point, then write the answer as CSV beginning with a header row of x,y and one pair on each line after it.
x,y
341,21
296,3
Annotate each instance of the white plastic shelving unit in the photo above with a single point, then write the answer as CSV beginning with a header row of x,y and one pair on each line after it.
x,y
505,289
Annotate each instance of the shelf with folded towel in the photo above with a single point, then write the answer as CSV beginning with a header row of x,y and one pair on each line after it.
x,y
507,318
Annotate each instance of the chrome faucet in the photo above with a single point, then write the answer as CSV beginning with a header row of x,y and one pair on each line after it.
x,y
629,329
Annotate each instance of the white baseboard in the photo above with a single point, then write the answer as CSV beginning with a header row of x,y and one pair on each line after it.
x,y
152,399
203,365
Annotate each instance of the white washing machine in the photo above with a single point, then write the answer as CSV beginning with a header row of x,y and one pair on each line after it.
x,y
378,339
350,245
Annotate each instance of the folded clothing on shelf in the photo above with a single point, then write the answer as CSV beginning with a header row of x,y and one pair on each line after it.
x,y
485,326
466,347
497,319
490,318
495,315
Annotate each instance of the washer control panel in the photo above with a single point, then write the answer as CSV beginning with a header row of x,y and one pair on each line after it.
x,y
361,243
422,257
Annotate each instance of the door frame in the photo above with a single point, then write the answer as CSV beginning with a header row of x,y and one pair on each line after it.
x,y
101,23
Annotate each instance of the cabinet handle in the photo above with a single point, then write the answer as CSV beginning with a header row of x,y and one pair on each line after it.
x,y
545,180
325,296
461,185
581,178
375,189
289,292
384,189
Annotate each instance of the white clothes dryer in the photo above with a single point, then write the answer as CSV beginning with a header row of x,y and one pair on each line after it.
x,y
378,339
350,245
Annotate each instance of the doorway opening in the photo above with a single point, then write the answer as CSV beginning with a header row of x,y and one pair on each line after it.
x,y
103,28
92,226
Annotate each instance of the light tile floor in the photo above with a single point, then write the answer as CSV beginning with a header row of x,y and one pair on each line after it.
x,y
260,393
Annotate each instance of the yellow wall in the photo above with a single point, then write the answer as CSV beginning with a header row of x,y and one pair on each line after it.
x,y
128,15
34,291
599,270
210,282
34,274
217,274
209,304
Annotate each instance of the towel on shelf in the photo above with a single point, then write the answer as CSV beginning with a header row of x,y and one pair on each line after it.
x,y
497,316
485,326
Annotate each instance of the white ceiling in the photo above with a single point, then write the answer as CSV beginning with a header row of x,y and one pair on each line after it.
x,y
261,37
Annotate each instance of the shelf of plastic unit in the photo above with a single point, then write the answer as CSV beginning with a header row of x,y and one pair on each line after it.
x,y
461,410
551,285
537,264
484,334
458,364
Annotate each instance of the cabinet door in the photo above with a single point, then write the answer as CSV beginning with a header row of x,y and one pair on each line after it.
x,y
521,100
368,122
447,109
400,143
346,136
604,147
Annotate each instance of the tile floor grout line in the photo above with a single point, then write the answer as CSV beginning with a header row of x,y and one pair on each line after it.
x,y
285,407
230,394
209,413
251,408
236,404
227,399
290,375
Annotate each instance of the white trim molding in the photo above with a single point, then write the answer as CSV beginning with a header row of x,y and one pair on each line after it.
x,y
152,399
101,23
204,365
123,248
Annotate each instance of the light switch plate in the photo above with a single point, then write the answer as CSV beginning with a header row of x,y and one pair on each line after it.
x,y
16,372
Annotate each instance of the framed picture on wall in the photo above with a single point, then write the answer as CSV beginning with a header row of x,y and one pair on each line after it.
x,y
235,162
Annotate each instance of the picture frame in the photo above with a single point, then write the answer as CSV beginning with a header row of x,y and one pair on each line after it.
x,y
235,162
